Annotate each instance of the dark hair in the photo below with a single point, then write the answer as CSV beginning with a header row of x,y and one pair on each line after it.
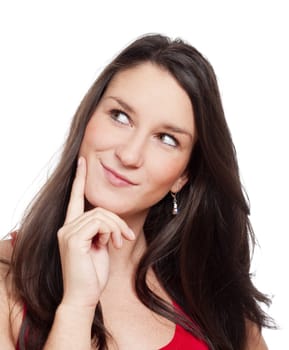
x,y
201,256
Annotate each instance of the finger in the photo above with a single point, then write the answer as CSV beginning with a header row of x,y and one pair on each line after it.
x,y
106,216
76,202
103,238
96,230
106,229
126,231
116,239
82,239
92,217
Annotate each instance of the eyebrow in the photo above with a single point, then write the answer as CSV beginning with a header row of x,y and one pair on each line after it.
x,y
166,126
176,129
123,104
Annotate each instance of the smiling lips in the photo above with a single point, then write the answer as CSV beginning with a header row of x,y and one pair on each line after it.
x,y
116,179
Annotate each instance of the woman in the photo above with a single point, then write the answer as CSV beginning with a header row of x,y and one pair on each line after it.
x,y
140,238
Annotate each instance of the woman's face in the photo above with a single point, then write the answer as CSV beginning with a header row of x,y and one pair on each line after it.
x,y
138,142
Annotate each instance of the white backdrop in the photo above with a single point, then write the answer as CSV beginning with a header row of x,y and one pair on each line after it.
x,y
52,51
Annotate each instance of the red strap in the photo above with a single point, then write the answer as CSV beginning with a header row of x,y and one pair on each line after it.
x,y
13,237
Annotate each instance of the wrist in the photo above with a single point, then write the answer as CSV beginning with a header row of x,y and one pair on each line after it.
x,y
71,328
76,312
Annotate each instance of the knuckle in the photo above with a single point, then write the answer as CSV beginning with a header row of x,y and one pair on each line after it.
x,y
117,230
95,221
72,241
60,232
97,210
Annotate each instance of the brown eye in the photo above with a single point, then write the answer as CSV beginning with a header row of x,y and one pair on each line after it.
x,y
169,140
120,117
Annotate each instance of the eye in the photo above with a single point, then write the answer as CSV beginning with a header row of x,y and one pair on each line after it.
x,y
169,140
120,117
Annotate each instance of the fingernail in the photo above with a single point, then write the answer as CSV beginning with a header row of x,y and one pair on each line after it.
x,y
80,160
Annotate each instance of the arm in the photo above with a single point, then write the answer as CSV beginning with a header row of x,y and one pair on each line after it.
x,y
6,341
84,256
255,341
71,329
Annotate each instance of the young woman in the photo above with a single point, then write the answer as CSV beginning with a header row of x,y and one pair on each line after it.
x,y
140,238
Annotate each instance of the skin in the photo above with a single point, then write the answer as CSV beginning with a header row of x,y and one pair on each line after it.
x,y
142,130
137,144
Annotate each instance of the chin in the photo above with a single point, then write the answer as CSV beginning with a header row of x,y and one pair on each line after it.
x,y
91,203
120,209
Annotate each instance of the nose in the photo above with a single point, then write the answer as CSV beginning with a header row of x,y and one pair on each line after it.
x,y
131,151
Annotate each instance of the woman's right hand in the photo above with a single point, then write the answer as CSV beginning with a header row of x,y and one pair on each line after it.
x,y
83,244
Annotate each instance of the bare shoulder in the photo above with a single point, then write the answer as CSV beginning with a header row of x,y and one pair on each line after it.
x,y
5,249
5,256
255,340
6,341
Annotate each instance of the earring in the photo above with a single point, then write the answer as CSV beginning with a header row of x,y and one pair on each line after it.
x,y
175,210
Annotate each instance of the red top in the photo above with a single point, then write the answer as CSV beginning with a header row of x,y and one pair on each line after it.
x,y
182,340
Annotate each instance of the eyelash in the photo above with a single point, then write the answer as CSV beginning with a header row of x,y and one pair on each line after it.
x,y
176,143
114,114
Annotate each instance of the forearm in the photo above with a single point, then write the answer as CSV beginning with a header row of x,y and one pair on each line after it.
x,y
255,340
71,329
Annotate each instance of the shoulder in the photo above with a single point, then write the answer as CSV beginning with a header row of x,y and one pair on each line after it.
x,y
5,257
255,340
6,341
6,249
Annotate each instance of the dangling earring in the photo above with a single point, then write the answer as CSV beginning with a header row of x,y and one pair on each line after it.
x,y
175,210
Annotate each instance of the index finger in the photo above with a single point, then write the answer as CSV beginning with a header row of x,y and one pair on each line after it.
x,y
76,202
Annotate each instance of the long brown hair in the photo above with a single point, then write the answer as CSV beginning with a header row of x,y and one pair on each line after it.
x,y
201,256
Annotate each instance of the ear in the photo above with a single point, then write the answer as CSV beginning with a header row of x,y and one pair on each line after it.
x,y
180,183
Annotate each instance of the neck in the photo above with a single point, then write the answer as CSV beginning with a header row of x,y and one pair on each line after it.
x,y
125,259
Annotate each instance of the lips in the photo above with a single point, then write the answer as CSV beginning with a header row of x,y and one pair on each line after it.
x,y
115,178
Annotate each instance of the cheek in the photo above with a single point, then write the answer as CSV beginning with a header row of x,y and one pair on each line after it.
x,y
96,136
166,172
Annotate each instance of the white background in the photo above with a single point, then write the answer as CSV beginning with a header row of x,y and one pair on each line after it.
x,y
52,51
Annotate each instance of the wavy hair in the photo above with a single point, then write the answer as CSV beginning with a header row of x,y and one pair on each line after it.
x,y
201,256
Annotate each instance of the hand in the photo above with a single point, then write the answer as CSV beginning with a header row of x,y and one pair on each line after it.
x,y
83,244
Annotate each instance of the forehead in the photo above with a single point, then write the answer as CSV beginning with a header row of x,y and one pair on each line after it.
x,y
152,91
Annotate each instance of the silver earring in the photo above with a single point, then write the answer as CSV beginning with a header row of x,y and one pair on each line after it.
x,y
175,210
